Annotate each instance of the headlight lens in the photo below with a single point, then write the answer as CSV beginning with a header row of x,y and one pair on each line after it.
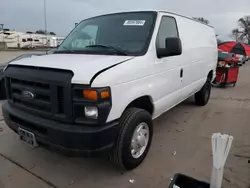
x,y
91,112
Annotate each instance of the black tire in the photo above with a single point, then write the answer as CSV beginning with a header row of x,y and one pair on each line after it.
x,y
2,91
202,96
121,154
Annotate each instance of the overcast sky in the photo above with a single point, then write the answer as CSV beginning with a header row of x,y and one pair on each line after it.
x,y
23,15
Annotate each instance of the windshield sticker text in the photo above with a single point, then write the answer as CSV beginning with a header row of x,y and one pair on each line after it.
x,y
134,22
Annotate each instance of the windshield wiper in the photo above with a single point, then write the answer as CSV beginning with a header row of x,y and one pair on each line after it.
x,y
118,50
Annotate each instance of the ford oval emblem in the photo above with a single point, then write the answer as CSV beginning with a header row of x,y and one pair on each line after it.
x,y
28,95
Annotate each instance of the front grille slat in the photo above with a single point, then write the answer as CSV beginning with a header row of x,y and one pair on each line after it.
x,y
31,101
29,88
31,106
30,83
60,96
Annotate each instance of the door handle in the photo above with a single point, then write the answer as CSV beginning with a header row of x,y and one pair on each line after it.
x,y
181,73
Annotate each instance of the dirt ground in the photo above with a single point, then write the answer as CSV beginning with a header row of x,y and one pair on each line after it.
x,y
186,130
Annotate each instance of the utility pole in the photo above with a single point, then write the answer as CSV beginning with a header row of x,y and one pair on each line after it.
x,y
45,25
45,16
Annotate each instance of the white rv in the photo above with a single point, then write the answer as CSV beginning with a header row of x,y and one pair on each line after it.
x,y
14,39
101,89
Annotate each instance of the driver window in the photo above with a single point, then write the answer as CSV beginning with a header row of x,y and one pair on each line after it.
x,y
86,37
167,29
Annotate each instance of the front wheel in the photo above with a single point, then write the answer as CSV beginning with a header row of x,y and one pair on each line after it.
x,y
202,96
134,139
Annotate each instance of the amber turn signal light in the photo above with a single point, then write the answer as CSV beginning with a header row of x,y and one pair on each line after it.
x,y
90,95
104,94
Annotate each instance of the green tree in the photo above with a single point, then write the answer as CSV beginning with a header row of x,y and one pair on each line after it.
x,y
52,33
41,31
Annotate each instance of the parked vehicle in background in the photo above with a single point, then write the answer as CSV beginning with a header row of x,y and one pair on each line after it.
x,y
112,75
241,59
15,39
244,59
225,56
236,48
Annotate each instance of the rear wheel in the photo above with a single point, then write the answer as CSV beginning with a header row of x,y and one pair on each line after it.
x,y
134,139
202,96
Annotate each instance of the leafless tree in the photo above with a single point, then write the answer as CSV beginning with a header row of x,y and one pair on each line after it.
x,y
202,20
242,33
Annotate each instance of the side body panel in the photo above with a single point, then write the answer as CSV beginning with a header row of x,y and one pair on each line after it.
x,y
160,78
199,54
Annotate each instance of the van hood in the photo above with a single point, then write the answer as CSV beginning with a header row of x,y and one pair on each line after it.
x,y
83,66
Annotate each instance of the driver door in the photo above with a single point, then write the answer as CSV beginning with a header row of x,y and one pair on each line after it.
x,y
169,69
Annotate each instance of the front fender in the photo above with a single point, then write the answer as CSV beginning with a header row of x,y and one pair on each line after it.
x,y
124,94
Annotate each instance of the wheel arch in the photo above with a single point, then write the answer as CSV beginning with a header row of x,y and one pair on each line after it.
x,y
211,75
143,102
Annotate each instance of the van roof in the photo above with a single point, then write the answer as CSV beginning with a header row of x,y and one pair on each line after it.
x,y
185,17
158,11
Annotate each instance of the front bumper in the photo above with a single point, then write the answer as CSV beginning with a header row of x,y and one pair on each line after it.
x,y
67,138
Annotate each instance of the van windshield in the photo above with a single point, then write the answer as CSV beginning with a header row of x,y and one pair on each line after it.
x,y
114,34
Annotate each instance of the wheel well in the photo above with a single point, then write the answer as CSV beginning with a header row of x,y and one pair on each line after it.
x,y
210,75
144,102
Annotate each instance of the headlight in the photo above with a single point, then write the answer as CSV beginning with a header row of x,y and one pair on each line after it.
x,y
91,112
91,105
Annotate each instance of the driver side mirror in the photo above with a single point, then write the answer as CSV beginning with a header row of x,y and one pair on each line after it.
x,y
173,47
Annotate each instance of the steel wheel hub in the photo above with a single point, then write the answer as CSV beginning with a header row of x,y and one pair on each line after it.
x,y
139,140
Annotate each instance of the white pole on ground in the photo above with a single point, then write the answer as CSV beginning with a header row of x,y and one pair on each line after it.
x,y
221,145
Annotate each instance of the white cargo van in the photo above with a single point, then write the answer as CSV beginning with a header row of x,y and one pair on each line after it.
x,y
100,90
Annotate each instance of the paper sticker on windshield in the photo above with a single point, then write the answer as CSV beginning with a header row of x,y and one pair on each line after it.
x,y
134,22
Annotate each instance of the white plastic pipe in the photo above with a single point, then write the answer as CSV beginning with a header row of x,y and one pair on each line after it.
x,y
221,145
